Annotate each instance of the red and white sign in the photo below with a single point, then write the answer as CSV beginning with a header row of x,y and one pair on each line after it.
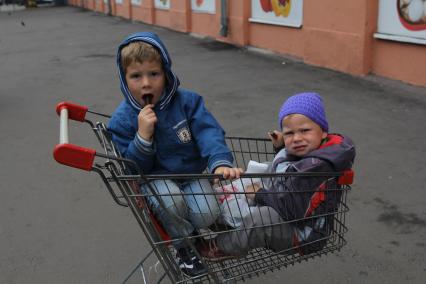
x,y
204,6
402,20
162,4
277,12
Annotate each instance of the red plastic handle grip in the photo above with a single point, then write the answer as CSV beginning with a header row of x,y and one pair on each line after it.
x,y
75,112
74,156
346,178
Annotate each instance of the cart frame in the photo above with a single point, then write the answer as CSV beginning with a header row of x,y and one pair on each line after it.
x,y
123,187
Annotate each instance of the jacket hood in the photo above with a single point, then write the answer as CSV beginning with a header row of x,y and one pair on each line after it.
x,y
172,81
338,150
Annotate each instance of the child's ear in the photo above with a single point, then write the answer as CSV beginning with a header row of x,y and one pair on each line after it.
x,y
324,135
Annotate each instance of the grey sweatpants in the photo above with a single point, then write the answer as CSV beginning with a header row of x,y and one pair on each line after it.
x,y
261,228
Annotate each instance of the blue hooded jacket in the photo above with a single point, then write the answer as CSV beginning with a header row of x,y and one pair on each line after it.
x,y
187,138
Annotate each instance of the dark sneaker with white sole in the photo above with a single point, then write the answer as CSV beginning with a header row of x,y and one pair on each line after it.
x,y
189,263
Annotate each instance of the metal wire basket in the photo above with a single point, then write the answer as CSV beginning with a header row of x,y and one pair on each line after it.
x,y
118,175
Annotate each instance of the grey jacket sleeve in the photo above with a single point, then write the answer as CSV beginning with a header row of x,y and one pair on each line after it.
x,y
290,196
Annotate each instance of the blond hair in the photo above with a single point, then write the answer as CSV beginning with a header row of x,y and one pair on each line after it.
x,y
138,52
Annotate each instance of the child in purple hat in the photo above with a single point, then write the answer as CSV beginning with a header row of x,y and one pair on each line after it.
x,y
303,108
286,219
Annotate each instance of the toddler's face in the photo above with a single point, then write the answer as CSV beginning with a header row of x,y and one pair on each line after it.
x,y
301,134
144,79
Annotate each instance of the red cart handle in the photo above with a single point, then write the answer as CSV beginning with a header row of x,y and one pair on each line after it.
x,y
64,152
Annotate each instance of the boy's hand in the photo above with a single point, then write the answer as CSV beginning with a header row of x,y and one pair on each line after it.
x,y
146,122
251,190
277,138
228,173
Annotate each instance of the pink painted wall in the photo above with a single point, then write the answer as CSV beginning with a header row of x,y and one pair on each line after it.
x,y
180,15
400,61
144,13
123,9
205,24
162,18
113,7
328,38
335,34
99,5
237,21
90,4
396,60
277,38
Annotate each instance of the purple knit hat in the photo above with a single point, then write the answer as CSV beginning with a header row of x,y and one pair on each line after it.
x,y
308,104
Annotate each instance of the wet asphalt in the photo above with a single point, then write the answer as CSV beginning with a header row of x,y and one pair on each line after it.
x,y
59,225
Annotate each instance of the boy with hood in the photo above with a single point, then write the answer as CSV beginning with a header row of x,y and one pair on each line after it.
x,y
168,130
287,218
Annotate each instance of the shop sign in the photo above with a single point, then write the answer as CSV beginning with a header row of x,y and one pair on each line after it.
x,y
402,20
277,12
162,4
204,6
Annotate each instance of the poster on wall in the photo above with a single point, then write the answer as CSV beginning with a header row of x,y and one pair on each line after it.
x,y
204,6
162,4
277,12
402,20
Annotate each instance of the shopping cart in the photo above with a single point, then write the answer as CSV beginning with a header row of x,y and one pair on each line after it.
x,y
118,175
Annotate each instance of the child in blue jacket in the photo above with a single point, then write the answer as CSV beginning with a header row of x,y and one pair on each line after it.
x,y
168,130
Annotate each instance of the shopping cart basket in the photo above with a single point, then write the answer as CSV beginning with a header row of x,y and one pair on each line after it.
x,y
118,175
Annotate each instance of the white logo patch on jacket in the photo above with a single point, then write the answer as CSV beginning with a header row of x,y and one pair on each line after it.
x,y
182,132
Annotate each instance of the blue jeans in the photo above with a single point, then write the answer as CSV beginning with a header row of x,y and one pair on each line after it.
x,y
190,202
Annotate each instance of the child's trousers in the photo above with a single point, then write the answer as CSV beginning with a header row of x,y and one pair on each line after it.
x,y
261,228
191,203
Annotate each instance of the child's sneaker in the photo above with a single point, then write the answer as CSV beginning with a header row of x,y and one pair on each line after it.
x,y
189,263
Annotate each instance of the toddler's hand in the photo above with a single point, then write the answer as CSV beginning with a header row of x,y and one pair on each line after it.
x,y
251,190
277,138
228,173
146,122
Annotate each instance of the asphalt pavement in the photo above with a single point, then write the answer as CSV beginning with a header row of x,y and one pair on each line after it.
x,y
59,225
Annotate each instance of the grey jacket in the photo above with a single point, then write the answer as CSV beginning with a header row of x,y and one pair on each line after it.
x,y
299,198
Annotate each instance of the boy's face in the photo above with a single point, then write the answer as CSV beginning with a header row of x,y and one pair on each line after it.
x,y
301,134
146,78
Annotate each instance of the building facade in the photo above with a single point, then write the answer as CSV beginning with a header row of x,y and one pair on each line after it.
x,y
382,37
